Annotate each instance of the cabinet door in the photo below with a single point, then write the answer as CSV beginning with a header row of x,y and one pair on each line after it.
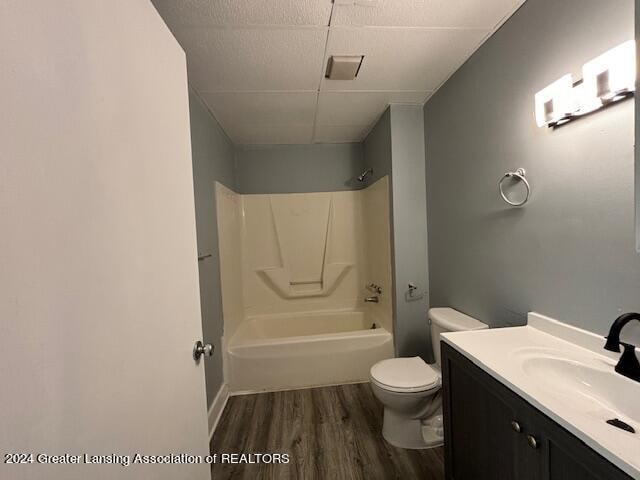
x,y
531,447
479,439
565,457
481,443
563,466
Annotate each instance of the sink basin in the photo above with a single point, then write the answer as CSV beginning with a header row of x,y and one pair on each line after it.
x,y
586,383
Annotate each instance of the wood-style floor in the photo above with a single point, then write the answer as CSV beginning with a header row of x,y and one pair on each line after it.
x,y
329,433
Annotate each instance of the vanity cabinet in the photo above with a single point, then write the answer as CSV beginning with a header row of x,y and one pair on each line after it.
x,y
492,433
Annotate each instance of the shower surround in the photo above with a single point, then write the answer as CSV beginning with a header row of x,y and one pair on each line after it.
x,y
294,270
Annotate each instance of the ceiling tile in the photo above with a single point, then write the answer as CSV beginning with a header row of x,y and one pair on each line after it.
x,y
401,59
254,58
340,133
258,63
264,117
360,108
270,134
425,13
279,108
201,13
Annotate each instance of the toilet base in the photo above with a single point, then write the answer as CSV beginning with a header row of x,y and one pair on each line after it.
x,y
433,430
410,433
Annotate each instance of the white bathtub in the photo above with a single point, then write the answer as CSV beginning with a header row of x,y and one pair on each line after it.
x,y
305,349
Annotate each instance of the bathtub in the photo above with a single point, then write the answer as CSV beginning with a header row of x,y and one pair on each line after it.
x,y
279,352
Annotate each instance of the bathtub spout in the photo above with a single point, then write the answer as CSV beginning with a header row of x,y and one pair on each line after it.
x,y
374,299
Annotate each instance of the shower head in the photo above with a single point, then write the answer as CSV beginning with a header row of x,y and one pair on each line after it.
x,y
364,174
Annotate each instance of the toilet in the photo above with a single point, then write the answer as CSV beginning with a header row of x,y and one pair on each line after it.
x,y
409,388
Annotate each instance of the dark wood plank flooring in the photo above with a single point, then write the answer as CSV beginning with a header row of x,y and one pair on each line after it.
x,y
329,433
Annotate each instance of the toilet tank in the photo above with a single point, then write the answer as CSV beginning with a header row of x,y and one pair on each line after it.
x,y
446,319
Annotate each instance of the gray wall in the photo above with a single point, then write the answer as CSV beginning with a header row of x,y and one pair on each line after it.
x,y
298,168
637,130
213,160
395,147
377,148
409,230
570,252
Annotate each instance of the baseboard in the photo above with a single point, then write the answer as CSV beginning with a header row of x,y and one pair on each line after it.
x,y
216,408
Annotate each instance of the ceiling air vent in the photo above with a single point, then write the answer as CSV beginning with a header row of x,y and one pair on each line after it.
x,y
343,67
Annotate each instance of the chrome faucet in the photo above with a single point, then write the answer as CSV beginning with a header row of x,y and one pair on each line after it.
x,y
373,299
628,364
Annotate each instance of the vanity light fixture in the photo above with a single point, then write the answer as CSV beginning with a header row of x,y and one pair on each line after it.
x,y
555,103
607,78
611,76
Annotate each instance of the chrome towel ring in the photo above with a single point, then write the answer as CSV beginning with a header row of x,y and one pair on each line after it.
x,y
518,174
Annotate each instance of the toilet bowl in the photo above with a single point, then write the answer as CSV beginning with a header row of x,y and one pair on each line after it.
x,y
409,388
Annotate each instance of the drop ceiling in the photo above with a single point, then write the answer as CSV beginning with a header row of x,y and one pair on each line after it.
x,y
259,65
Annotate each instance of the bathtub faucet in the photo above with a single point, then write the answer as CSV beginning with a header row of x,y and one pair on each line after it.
x,y
374,299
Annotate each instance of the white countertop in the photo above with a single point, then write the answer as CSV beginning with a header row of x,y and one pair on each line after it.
x,y
495,351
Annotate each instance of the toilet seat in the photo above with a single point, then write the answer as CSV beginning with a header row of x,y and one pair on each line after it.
x,y
405,375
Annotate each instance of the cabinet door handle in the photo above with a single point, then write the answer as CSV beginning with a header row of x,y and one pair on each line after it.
x,y
516,426
533,443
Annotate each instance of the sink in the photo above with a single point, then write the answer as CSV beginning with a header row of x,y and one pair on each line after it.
x,y
586,383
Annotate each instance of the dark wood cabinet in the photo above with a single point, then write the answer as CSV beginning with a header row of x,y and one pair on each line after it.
x,y
492,433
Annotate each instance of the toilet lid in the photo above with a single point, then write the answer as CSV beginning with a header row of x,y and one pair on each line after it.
x,y
404,375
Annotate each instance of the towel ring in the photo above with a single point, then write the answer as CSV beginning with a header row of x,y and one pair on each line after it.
x,y
518,174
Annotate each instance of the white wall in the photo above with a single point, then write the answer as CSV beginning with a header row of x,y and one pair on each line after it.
x,y
99,306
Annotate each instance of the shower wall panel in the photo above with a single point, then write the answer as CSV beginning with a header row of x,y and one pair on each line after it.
x,y
302,253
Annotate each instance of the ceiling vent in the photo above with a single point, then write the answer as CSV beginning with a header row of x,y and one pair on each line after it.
x,y
343,67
